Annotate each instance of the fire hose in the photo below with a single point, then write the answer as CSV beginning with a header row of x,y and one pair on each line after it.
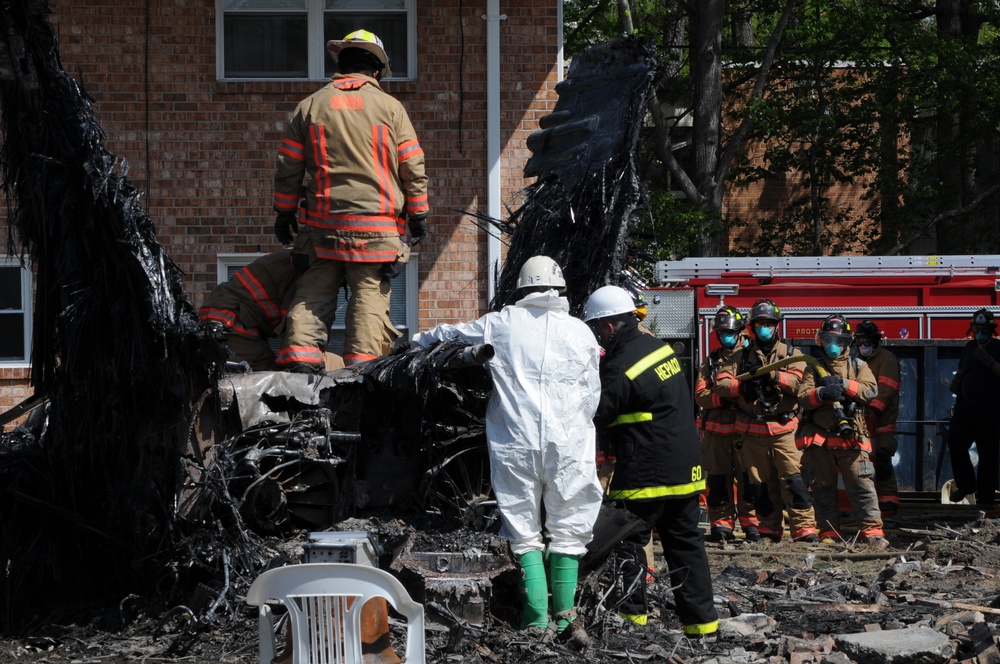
x,y
816,364
844,423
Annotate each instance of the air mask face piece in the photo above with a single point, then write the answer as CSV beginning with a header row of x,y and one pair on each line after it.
x,y
727,339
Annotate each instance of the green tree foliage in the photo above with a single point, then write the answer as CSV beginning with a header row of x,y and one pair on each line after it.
x,y
894,99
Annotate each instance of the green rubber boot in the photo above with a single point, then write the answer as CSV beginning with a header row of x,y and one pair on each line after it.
x,y
536,591
564,571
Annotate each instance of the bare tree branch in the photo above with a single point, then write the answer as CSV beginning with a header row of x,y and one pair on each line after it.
x,y
950,214
666,153
585,21
737,139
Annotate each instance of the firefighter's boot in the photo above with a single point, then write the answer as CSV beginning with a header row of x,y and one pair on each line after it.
x,y
536,591
720,534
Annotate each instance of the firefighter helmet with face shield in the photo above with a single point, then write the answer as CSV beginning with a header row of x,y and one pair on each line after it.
x,y
764,318
983,318
834,335
764,309
867,337
728,318
728,324
366,41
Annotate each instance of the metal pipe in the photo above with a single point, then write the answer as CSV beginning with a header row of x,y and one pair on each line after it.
x,y
471,356
494,191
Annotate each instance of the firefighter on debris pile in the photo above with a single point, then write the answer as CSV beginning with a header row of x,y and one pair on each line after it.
x,y
647,424
767,420
250,309
354,148
882,412
834,435
541,438
720,441
977,389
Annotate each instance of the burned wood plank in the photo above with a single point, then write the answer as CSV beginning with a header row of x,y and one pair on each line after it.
x,y
983,644
848,608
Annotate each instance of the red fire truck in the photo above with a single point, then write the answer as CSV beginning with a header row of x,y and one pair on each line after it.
x,y
922,304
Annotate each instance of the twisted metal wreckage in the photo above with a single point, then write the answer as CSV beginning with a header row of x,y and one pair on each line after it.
x,y
159,473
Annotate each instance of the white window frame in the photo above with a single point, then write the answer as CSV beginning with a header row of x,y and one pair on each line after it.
x,y
26,310
316,51
228,263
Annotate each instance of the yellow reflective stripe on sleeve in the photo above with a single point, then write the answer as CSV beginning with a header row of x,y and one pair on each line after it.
x,y
632,418
648,361
659,491
705,628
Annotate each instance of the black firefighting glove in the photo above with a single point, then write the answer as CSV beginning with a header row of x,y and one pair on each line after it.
x,y
393,269
285,225
418,228
750,388
830,388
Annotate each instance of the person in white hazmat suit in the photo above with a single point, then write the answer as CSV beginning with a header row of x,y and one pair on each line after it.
x,y
540,434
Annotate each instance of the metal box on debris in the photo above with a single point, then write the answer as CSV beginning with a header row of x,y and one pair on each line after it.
x,y
354,546
459,584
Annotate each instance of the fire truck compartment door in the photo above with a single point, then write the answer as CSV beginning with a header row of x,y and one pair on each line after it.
x,y
671,313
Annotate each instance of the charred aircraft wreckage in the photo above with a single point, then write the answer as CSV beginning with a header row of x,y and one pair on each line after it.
x,y
147,462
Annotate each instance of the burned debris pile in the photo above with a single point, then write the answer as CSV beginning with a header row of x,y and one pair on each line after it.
x,y
116,348
141,502
579,210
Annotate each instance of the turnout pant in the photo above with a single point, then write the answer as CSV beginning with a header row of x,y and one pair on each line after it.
x,y
726,500
821,465
774,484
368,332
975,423
676,522
253,350
885,446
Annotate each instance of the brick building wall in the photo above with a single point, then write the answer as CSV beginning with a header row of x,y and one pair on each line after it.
x,y
771,199
203,151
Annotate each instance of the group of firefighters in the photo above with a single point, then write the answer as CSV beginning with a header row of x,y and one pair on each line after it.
x,y
776,429
775,443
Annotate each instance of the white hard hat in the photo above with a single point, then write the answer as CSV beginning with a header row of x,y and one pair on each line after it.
x,y
541,271
607,301
364,40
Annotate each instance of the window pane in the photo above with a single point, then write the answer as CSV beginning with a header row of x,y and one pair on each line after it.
x,y
390,28
10,288
11,337
266,45
365,5
265,4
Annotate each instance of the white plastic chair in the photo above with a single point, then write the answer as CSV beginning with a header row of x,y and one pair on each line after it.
x,y
325,623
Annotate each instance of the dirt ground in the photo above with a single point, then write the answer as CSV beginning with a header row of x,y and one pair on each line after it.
x,y
778,602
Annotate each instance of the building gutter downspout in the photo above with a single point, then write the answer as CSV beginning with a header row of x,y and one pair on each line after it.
x,y
493,171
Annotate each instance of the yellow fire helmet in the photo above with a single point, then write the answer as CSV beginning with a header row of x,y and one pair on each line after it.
x,y
364,40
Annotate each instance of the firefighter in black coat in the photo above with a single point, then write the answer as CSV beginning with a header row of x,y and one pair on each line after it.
x,y
647,420
977,389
